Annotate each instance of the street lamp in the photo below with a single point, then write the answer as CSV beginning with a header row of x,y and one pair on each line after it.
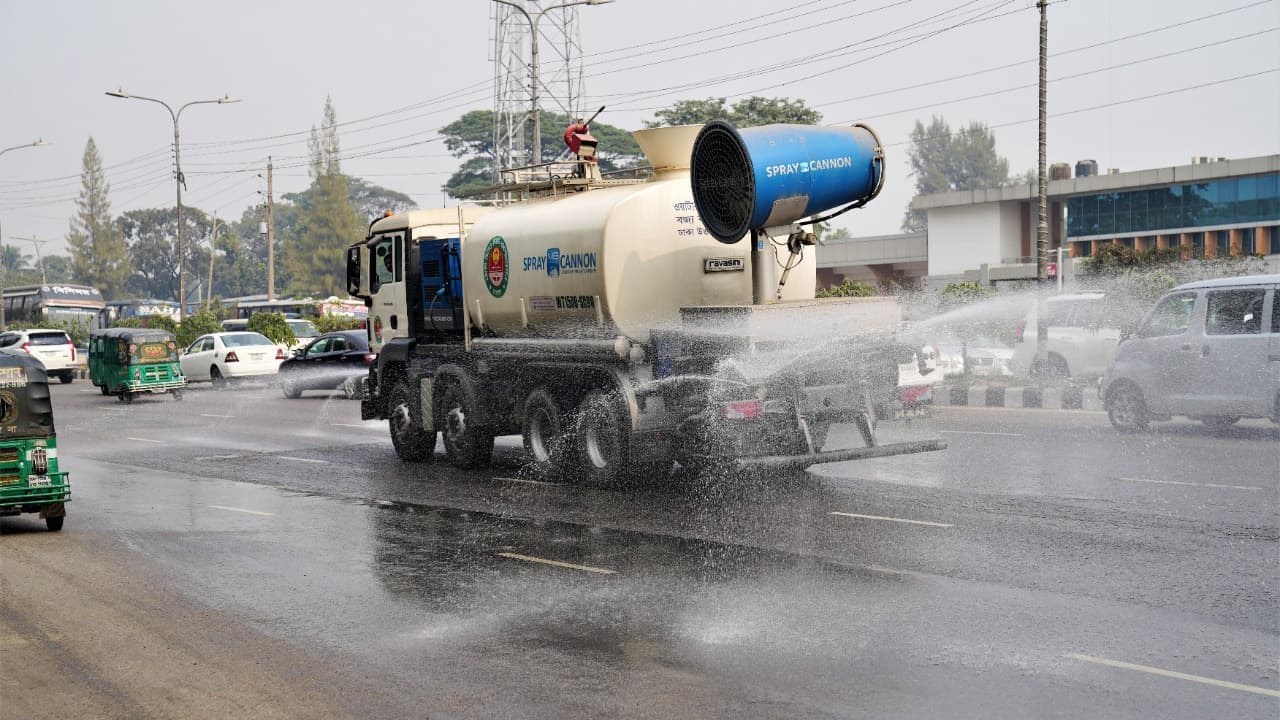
x,y
533,63
177,165
38,142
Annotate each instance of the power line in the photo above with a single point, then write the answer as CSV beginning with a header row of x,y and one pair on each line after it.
x,y
1072,76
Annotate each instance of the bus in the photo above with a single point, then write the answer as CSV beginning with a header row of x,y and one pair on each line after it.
x,y
306,308
117,310
53,303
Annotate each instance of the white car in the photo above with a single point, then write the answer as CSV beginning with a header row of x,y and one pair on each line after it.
x,y
219,357
53,348
1082,338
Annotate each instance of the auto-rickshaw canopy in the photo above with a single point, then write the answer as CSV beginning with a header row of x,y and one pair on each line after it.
x,y
25,409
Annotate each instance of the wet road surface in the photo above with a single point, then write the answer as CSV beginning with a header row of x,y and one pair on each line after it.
x,y
257,556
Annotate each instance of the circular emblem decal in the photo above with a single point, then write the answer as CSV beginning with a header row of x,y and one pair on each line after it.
x,y
497,267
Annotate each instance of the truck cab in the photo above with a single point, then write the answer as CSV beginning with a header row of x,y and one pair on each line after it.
x,y
412,249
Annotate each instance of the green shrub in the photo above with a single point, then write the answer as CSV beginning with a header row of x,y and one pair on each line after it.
x,y
274,326
334,323
848,288
195,325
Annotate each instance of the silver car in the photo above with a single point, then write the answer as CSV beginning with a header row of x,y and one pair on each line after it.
x,y
1207,350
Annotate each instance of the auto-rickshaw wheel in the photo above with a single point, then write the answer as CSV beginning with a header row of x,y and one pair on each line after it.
x,y
126,396
54,523
105,390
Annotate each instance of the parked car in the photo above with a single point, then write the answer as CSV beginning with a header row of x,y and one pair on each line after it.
x,y
1207,350
53,348
1082,337
332,361
987,356
219,357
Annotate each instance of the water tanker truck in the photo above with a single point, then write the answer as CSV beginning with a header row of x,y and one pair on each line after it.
x,y
619,325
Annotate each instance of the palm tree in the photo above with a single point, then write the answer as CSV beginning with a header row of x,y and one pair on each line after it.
x,y
15,260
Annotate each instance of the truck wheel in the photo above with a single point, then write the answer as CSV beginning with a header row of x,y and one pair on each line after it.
x,y
1127,410
600,441
67,377
54,523
411,442
543,431
466,442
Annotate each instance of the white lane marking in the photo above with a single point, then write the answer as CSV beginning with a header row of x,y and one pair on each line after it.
x,y
217,457
158,442
1174,674
298,459
557,563
362,427
242,510
891,519
217,416
1190,484
527,482
978,432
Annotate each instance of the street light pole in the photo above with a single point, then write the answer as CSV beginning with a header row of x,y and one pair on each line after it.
x,y
536,152
37,143
44,280
177,165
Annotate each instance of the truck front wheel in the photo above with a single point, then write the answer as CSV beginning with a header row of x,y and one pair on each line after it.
x,y
467,443
600,440
411,442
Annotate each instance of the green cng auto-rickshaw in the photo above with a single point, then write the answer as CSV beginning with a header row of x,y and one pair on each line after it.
x,y
30,480
130,361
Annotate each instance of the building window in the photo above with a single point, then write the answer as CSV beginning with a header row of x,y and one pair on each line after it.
x,y
1222,242
1255,198
1248,242
1084,249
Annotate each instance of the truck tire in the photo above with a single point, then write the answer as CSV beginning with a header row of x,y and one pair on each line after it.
x,y
467,443
543,430
411,442
600,441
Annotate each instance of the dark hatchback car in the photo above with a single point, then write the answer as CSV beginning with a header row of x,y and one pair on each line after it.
x,y
333,361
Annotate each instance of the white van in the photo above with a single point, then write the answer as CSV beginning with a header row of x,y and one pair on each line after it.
x,y
1208,350
1082,337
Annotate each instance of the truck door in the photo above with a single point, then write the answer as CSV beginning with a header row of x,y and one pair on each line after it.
x,y
388,312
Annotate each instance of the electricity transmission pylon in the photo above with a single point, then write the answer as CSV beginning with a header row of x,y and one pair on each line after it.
x,y
560,87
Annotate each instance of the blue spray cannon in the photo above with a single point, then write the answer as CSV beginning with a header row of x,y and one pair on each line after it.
x,y
764,180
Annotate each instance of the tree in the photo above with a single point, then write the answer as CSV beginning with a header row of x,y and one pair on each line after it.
x,y
273,326
848,288
945,161
748,112
317,260
151,238
15,261
470,138
99,256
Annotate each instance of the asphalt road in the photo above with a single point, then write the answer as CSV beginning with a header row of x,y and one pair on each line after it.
x,y
239,554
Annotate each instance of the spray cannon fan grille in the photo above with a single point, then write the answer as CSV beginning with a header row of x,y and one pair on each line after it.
x,y
723,180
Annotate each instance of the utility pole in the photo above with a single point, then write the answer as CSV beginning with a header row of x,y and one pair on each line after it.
x,y
271,237
213,246
1042,226
39,260
37,143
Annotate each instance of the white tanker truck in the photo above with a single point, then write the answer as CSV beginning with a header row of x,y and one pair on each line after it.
x,y
619,325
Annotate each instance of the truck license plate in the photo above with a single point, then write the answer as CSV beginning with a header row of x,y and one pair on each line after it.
x,y
38,481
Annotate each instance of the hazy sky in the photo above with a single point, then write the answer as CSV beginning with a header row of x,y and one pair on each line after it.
x,y
377,57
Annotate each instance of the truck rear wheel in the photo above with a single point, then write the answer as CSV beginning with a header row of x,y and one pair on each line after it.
x,y
411,442
467,443
600,440
543,431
